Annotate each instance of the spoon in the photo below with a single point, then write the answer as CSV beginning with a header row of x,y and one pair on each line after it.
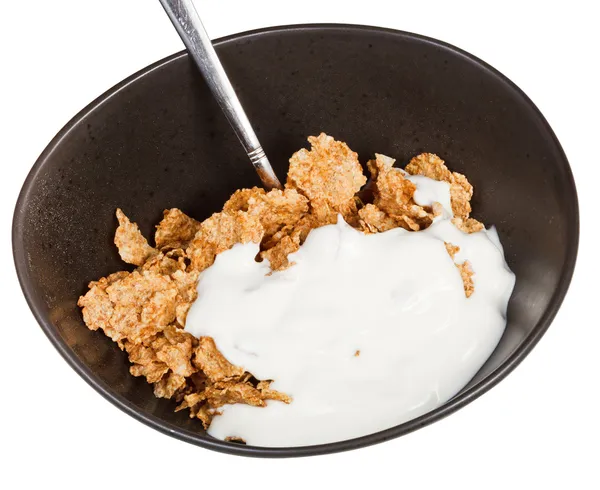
x,y
187,22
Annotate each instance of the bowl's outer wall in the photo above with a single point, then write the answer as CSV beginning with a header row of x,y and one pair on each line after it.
x,y
161,142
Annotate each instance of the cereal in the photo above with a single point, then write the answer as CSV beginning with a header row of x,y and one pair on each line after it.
x,y
185,282
224,392
133,247
329,171
144,311
219,233
451,249
208,359
235,439
468,225
144,303
277,255
240,199
460,195
431,166
461,190
174,348
466,273
269,394
394,193
277,209
97,308
465,269
145,362
169,385
115,305
166,263
176,230
374,220
323,213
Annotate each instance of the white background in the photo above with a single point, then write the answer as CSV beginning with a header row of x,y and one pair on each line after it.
x,y
536,429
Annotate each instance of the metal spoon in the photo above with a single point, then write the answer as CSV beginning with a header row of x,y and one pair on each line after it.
x,y
187,22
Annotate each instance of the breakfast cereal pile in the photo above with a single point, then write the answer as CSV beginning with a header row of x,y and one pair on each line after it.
x,y
144,311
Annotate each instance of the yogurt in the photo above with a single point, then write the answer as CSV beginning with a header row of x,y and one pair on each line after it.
x,y
364,332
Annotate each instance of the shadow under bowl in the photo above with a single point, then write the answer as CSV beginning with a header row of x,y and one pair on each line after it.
x,y
158,140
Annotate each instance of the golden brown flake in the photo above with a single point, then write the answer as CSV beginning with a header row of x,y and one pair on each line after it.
x,y
465,269
269,394
413,224
199,408
133,247
176,230
236,439
278,254
144,303
461,190
240,199
145,363
429,165
277,209
169,385
469,225
226,392
136,306
204,413
164,361
185,282
219,233
174,348
210,360
374,220
394,193
159,308
466,273
191,400
452,249
329,171
311,222
288,239
269,242
97,308
166,263
322,213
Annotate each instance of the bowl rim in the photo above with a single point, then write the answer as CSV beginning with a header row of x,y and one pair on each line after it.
x,y
454,404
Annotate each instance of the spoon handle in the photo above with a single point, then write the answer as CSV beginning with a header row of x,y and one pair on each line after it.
x,y
187,22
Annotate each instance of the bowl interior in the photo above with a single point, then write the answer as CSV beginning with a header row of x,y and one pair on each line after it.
x,y
158,141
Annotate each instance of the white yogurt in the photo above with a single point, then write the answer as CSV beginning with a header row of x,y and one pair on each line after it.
x,y
429,191
396,299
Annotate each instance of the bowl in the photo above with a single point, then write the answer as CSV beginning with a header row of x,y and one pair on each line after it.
x,y
158,140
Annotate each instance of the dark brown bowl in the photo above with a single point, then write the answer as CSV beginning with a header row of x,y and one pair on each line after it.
x,y
158,140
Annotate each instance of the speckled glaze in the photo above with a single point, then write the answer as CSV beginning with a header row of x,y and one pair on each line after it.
x,y
158,140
